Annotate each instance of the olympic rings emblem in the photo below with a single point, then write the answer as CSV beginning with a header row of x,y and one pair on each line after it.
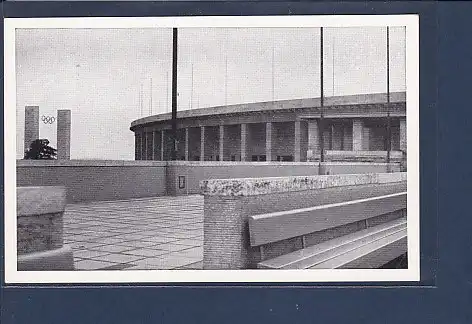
x,y
48,119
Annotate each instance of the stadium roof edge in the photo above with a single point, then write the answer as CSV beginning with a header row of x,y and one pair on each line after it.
x,y
360,99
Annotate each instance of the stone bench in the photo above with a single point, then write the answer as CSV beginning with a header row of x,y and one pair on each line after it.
x,y
40,244
371,247
230,204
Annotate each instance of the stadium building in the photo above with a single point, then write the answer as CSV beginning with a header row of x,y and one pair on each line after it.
x,y
352,128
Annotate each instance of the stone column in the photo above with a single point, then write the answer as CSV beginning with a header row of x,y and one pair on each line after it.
x,y
137,152
31,125
145,145
153,145
297,140
243,142
313,139
186,144
150,150
221,142
269,129
366,139
141,145
162,144
202,143
63,134
357,134
403,134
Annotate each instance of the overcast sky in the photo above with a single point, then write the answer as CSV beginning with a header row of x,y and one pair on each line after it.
x,y
104,76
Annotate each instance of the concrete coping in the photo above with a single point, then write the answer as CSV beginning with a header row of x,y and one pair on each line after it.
x,y
143,163
364,153
261,186
229,163
272,163
88,163
40,200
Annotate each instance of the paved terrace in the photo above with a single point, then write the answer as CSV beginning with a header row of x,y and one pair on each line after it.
x,y
139,234
167,232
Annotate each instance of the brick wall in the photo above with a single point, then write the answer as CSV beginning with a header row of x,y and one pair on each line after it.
x,y
212,139
96,180
194,144
256,141
232,142
115,180
226,227
180,153
283,142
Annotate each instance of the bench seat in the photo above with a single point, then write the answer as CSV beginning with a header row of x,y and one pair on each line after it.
x,y
368,248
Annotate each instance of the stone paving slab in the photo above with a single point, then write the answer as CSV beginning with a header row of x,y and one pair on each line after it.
x,y
139,234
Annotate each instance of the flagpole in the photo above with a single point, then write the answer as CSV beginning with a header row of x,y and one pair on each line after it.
x,y
226,80
226,68
389,131
191,91
167,92
322,157
174,93
273,76
334,46
141,99
150,90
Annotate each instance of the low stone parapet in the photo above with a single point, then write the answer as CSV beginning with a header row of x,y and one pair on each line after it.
x,y
40,243
118,180
228,203
261,186
362,156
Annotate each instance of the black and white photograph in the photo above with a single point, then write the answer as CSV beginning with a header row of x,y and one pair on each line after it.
x,y
212,149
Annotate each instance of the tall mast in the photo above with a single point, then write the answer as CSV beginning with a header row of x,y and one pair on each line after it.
x,y
226,80
273,65
167,92
226,68
174,94
150,90
191,90
332,60
141,99
321,99
389,131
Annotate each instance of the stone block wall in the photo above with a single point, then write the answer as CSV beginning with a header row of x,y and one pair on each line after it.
x,y
39,233
103,180
116,180
40,244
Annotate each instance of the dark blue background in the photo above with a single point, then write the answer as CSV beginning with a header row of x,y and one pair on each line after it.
x,y
444,295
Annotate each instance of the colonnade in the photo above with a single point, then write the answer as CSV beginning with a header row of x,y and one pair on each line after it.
x,y
289,141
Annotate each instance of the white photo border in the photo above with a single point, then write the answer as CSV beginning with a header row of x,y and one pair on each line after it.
x,y
412,274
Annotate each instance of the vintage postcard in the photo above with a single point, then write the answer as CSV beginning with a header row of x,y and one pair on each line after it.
x,y
212,149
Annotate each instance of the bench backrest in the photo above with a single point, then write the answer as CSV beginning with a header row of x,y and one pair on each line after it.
x,y
278,226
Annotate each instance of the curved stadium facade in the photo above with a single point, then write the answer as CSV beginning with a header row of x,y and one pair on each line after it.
x,y
355,128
